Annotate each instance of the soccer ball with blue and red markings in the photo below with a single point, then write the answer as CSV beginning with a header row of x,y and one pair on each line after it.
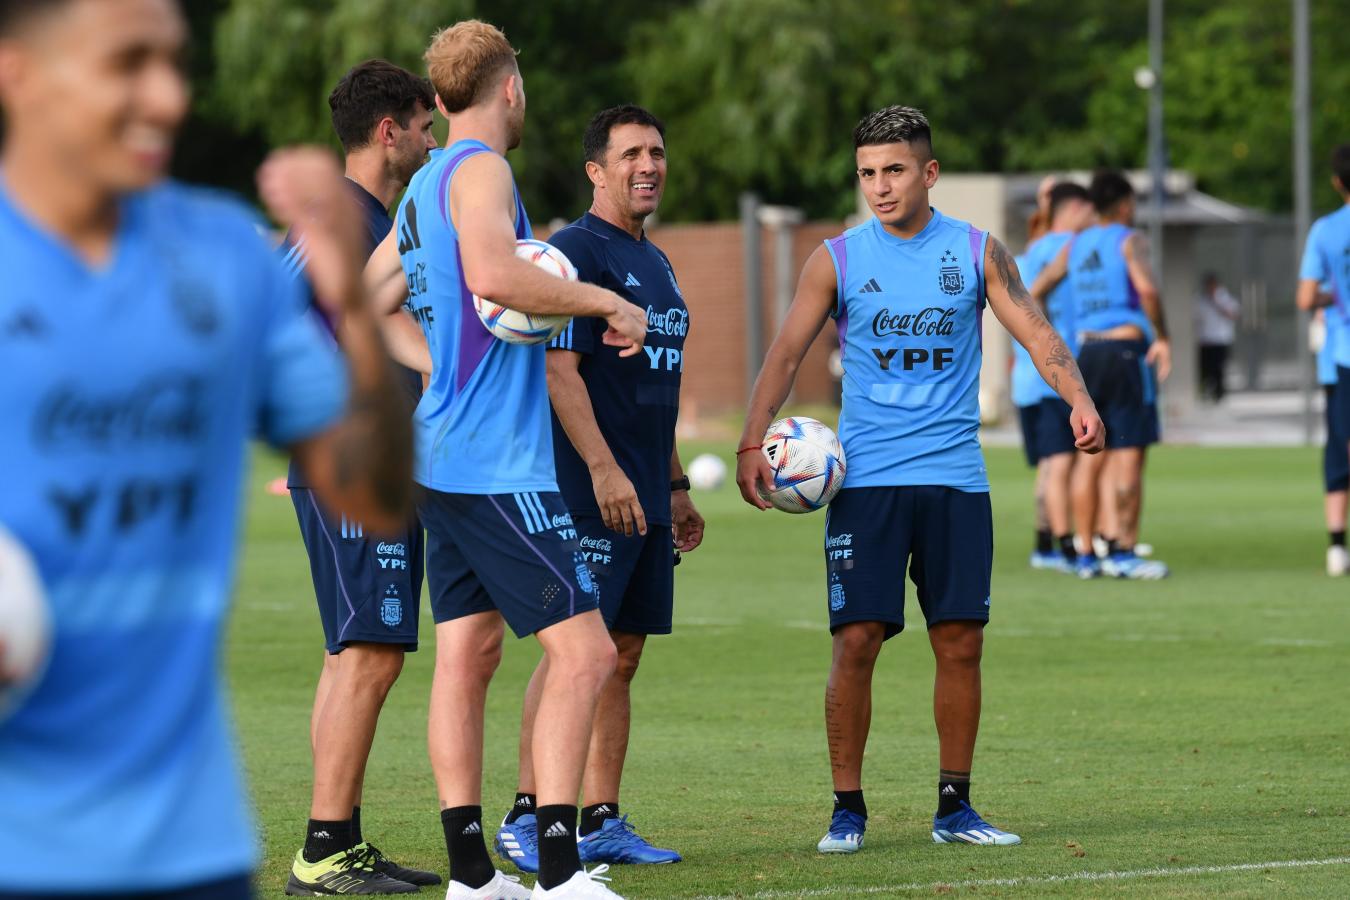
x,y
807,461
516,327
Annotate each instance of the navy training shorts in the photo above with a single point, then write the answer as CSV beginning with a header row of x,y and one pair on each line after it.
x,y
1122,385
635,575
945,537
1336,453
369,588
518,554
1045,429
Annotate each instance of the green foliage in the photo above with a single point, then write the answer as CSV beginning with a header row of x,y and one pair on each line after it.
x,y
763,95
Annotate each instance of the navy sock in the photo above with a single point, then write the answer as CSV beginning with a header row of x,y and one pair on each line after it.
x,y
558,857
469,861
323,839
851,801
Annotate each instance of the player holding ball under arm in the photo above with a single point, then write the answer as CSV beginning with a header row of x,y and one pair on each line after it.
x,y
907,289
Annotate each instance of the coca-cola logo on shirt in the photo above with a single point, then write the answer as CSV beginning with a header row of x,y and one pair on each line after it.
x,y
931,322
166,408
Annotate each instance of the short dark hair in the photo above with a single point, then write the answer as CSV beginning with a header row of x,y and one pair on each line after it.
x,y
13,13
1340,165
595,141
369,92
895,125
1108,189
1064,192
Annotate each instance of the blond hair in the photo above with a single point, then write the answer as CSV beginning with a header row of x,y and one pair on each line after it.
x,y
463,60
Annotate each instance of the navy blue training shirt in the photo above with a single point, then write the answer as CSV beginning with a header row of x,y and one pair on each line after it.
x,y
637,398
378,225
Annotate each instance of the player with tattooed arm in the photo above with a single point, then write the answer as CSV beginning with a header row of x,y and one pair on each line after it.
x,y
907,290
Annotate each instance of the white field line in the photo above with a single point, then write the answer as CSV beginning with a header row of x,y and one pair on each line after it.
x,y
1040,879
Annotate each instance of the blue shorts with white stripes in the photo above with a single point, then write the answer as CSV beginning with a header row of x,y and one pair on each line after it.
x,y
516,553
369,587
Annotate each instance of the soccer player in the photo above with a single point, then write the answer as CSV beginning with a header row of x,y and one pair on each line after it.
x,y
1046,436
1324,283
1122,336
368,586
620,473
156,330
907,289
501,545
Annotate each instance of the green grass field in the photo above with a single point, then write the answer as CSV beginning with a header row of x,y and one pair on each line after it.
x,y
1145,739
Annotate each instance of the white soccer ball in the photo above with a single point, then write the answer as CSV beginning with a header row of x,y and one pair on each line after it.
x,y
808,464
706,472
525,328
25,623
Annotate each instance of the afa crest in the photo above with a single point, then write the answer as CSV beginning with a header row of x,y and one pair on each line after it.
x,y
836,594
950,278
583,572
391,610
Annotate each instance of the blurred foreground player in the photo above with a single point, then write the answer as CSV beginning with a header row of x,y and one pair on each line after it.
x,y
177,335
618,468
368,585
907,289
501,545
1324,283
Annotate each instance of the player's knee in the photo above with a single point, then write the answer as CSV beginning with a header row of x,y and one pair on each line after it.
x,y
586,666
478,661
958,643
628,648
858,643
376,665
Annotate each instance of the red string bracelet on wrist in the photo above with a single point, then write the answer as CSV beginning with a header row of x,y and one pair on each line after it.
x,y
748,449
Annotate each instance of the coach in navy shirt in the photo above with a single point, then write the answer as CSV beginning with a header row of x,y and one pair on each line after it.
x,y
617,465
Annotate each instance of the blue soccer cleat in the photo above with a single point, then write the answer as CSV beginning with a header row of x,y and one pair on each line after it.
x,y
966,827
518,843
845,834
618,842
1055,561
1087,566
1126,564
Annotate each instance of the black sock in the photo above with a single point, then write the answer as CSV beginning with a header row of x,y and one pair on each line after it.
x,y
1338,538
953,790
323,839
1045,542
523,805
1113,547
558,857
592,817
469,861
356,826
1067,548
851,801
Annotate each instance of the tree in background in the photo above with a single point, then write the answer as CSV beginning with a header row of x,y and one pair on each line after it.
x,y
763,94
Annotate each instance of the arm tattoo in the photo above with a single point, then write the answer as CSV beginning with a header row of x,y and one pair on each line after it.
x,y
1058,360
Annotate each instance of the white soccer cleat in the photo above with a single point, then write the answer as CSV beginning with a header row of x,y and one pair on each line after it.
x,y
581,886
501,887
1338,561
